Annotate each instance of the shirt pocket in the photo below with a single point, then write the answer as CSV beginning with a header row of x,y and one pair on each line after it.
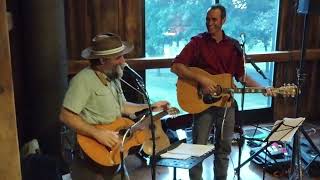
x,y
100,92
100,100
105,101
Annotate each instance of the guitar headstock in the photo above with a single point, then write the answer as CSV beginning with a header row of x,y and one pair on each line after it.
x,y
173,111
287,90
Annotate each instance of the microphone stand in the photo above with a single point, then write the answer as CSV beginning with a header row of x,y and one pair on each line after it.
x,y
123,169
141,90
249,60
241,138
257,68
296,167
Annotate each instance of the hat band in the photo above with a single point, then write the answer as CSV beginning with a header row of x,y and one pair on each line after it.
x,y
108,52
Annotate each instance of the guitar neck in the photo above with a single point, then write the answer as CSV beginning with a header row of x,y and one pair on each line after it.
x,y
145,122
160,115
245,90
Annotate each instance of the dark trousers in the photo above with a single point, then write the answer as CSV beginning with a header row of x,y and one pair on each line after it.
x,y
84,169
202,126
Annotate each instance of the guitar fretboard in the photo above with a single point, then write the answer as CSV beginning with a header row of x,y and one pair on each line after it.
x,y
245,90
147,120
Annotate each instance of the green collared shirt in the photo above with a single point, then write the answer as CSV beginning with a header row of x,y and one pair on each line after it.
x,y
95,102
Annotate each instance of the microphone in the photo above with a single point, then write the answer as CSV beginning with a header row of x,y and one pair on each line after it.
x,y
131,72
256,68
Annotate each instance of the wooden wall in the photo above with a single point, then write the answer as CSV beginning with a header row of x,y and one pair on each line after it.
x,y
82,19
290,37
9,151
86,18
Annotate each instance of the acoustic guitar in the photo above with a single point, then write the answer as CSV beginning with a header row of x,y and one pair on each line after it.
x,y
191,98
139,134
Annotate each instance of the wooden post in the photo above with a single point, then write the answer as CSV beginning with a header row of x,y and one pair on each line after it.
x,y
9,151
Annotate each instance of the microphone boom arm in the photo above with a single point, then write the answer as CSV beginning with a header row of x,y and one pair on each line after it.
x,y
256,67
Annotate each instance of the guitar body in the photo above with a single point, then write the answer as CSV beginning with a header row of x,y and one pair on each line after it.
x,y
161,139
106,156
140,134
189,98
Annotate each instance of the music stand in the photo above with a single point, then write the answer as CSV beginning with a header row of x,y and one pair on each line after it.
x,y
283,130
180,163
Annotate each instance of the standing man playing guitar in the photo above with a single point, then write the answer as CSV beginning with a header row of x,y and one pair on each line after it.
x,y
216,53
95,97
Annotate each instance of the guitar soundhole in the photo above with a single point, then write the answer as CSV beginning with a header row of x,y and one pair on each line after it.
x,y
208,99
218,90
123,131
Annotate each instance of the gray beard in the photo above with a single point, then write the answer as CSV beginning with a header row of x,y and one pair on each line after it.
x,y
115,73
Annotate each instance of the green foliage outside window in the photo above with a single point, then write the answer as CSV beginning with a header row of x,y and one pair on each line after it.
x,y
171,23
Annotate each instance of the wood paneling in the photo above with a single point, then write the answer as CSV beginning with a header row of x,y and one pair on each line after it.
x,y
86,18
77,26
131,20
290,37
9,151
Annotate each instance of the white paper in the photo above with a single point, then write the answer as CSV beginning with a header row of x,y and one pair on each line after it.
x,y
286,131
174,155
192,149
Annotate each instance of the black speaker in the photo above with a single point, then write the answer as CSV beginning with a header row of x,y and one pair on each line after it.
x,y
309,7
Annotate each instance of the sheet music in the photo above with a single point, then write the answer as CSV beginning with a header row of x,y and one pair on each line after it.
x,y
286,130
192,149
174,155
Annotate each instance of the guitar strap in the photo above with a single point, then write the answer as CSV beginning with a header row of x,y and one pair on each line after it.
x,y
103,78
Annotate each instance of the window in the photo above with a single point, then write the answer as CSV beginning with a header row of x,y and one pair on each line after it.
x,y
170,24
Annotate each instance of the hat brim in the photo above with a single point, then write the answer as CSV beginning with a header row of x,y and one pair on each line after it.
x,y
88,53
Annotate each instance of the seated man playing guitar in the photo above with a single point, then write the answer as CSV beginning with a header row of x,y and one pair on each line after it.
x,y
95,98
214,53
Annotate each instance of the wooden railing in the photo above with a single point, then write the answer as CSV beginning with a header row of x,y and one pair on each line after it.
x,y
154,63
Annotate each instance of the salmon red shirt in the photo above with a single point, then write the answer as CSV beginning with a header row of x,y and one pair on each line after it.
x,y
216,58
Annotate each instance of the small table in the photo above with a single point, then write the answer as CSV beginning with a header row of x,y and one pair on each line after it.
x,y
180,163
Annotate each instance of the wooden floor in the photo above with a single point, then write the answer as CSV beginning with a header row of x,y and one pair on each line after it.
x,y
139,171
250,171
